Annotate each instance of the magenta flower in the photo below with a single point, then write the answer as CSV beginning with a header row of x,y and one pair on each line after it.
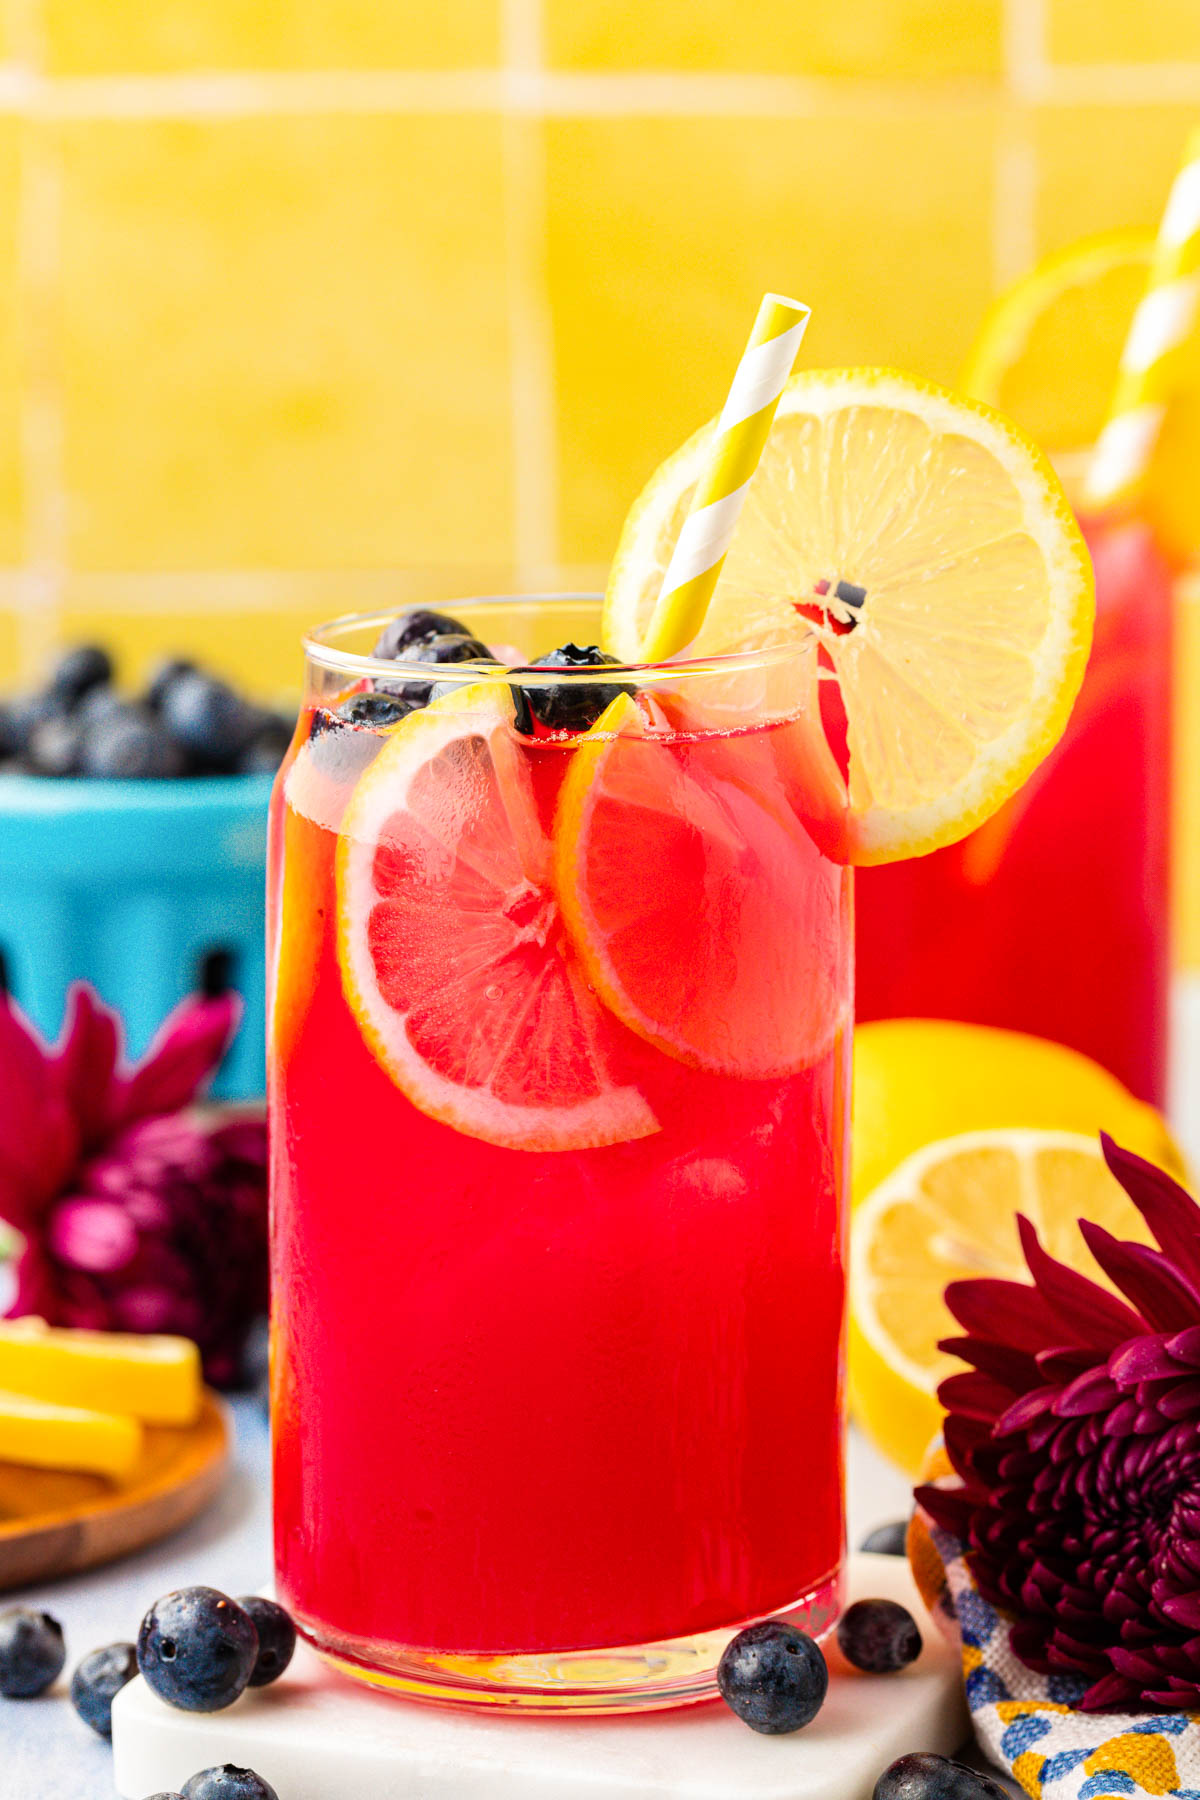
x,y
1076,1436
136,1214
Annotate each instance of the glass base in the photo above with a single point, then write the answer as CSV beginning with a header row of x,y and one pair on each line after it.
x,y
634,1678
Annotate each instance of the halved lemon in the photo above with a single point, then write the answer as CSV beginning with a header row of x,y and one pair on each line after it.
x,y
929,546
1048,350
453,954
948,1212
917,1080
706,917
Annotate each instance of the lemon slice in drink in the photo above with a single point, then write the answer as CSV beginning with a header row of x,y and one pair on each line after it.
x,y
454,958
706,917
948,1212
928,544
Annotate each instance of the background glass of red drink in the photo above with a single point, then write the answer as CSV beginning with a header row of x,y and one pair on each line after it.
x,y
1053,918
551,1425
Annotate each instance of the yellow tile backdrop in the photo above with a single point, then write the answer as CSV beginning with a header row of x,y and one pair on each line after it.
x,y
309,306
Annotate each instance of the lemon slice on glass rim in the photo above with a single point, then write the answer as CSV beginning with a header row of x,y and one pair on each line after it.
x,y
929,545
1049,349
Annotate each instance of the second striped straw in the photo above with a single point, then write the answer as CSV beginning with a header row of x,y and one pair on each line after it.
x,y
1165,318
737,445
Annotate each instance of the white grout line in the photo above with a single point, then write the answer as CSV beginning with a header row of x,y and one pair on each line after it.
x,y
236,95
1015,173
531,370
1121,84
332,591
235,590
1014,201
522,86
1026,70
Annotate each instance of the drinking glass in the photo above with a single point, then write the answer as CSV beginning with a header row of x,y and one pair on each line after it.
x,y
559,1079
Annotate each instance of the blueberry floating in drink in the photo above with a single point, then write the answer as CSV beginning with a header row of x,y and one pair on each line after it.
x,y
415,626
375,709
570,705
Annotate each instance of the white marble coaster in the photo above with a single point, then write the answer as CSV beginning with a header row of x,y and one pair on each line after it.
x,y
317,1736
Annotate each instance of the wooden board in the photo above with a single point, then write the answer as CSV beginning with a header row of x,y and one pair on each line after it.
x,y
53,1522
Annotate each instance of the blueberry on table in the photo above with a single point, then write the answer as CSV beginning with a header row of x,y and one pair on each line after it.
x,y
572,705
267,748
98,703
888,1540
212,723
129,743
923,1776
98,1680
411,627
773,1676
30,711
10,737
79,670
878,1636
55,746
228,1783
276,1638
164,676
197,1649
32,1653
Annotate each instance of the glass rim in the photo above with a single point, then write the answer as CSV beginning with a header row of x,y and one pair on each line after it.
x,y
329,656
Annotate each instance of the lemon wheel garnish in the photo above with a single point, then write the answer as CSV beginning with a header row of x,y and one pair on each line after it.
x,y
947,1213
929,546
1048,350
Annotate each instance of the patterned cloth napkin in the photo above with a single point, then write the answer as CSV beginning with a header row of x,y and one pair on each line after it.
x,y
1027,1723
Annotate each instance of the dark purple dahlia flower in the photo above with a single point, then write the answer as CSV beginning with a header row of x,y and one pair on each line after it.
x,y
1076,1436
136,1214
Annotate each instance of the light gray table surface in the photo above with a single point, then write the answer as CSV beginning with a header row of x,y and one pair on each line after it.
x,y
46,1753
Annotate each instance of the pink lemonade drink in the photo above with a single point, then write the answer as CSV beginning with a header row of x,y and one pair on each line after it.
x,y
1053,917
558,1090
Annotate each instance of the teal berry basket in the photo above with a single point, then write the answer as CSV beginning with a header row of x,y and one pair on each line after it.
x,y
147,889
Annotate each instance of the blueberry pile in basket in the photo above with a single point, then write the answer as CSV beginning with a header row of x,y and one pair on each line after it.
x,y
186,721
437,639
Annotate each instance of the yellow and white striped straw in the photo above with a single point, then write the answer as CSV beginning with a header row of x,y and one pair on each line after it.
x,y
741,432
1165,319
